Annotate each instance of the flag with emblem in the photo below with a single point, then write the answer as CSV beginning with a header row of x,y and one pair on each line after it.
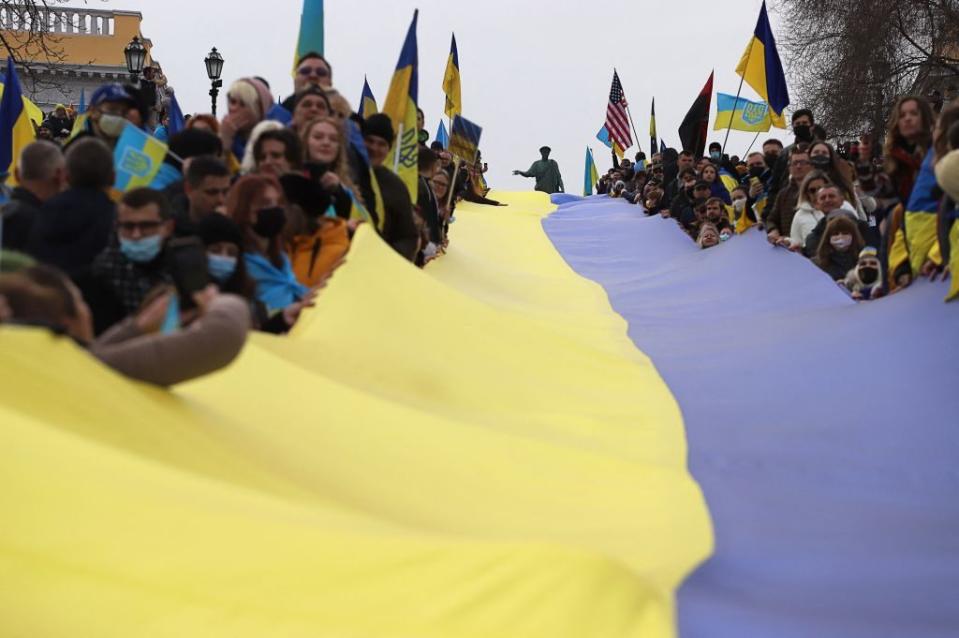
x,y
464,138
138,159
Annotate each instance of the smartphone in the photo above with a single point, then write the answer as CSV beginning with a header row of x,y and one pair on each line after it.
x,y
187,263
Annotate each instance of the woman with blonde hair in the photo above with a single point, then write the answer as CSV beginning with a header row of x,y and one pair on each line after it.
x,y
249,101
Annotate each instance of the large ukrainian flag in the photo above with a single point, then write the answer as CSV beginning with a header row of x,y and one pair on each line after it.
x,y
400,105
761,67
16,129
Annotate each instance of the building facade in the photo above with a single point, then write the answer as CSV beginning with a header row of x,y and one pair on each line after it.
x,y
87,46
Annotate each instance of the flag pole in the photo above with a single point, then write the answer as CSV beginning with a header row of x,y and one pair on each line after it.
x,y
638,145
751,145
742,78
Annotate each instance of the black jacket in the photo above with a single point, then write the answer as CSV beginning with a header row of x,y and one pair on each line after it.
x,y
18,217
72,229
399,230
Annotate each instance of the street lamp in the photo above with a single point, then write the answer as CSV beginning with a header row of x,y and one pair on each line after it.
x,y
214,67
136,55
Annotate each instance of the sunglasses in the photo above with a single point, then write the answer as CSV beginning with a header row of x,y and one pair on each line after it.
x,y
318,71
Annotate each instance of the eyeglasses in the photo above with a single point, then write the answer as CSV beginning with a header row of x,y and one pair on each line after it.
x,y
318,71
799,162
145,228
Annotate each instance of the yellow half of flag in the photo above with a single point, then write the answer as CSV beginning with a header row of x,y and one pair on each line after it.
x,y
513,467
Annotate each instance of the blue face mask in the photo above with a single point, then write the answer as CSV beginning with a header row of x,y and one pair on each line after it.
x,y
715,154
141,251
220,267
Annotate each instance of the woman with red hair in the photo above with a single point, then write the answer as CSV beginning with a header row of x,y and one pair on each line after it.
x,y
257,205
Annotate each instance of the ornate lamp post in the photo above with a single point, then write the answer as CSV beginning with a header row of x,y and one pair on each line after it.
x,y
214,67
136,55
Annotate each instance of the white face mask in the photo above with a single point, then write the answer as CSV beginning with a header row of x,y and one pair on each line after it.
x,y
840,242
111,125
739,204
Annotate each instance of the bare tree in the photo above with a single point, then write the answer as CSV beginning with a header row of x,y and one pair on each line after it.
x,y
848,60
28,34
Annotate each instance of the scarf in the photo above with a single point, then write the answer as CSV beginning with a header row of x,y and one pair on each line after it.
x,y
276,287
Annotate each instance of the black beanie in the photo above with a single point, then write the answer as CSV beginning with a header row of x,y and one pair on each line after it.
x,y
379,125
193,142
215,227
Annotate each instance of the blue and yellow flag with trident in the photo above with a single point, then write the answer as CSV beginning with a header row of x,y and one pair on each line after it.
x,y
451,82
744,115
761,67
368,105
400,105
138,161
592,176
311,30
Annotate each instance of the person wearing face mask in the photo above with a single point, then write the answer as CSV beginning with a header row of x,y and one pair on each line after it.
x,y
802,123
133,265
256,204
864,282
111,107
838,251
227,269
823,157
830,204
772,149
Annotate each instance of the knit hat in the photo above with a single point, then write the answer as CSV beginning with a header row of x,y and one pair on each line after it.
x,y
264,97
868,251
947,174
214,228
379,125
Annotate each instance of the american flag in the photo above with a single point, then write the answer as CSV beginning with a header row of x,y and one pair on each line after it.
x,y
617,121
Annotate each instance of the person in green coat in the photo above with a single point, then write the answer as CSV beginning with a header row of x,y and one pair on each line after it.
x,y
546,172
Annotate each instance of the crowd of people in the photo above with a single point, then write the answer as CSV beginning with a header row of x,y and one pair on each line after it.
x,y
163,284
842,207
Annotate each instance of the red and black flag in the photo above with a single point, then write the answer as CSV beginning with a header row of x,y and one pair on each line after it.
x,y
695,127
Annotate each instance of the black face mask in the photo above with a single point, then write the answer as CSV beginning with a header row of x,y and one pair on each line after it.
x,y
756,171
820,161
868,275
269,222
771,159
803,132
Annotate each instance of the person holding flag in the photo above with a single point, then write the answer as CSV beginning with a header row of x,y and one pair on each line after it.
x,y
591,176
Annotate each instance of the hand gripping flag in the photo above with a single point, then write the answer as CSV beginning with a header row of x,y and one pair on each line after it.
x,y
400,105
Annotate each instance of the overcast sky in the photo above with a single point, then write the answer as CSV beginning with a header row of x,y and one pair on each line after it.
x,y
533,72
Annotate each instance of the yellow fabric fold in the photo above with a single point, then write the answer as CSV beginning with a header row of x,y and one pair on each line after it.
x,y
472,450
